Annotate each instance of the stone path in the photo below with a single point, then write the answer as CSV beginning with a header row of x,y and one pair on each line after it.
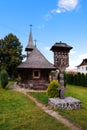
x,y
46,109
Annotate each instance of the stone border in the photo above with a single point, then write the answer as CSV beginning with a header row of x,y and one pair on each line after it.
x,y
68,103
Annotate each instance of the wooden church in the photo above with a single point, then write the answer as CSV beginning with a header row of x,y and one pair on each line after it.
x,y
34,72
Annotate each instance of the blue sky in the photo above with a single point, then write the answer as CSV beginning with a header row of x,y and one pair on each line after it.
x,y
52,20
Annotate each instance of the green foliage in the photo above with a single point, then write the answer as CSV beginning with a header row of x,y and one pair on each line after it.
x,y
86,79
77,79
70,78
18,78
83,80
75,82
52,89
65,79
10,54
4,78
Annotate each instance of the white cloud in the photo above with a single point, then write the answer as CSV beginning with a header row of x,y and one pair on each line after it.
x,y
58,11
66,5
48,15
62,6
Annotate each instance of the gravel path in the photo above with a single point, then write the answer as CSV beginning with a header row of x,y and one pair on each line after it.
x,y
45,108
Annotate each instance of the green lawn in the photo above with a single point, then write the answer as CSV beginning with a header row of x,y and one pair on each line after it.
x,y
78,117
17,112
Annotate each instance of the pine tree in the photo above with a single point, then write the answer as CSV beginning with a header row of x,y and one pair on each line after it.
x,y
10,53
4,78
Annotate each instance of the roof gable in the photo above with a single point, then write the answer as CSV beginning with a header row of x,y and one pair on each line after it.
x,y
36,60
83,63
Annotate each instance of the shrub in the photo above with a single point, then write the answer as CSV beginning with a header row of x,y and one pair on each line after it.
x,y
4,78
52,89
77,79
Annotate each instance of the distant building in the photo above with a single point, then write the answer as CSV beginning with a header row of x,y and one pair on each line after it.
x,y
35,70
82,68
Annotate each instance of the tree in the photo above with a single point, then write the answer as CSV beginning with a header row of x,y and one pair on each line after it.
x,y
79,79
82,79
4,78
70,78
86,79
10,53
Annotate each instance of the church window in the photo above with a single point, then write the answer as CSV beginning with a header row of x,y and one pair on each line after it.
x,y
36,74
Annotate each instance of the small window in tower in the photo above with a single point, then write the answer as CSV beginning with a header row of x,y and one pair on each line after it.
x,y
36,74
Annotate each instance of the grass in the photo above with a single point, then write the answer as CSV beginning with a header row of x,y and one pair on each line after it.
x,y
17,112
78,117
40,96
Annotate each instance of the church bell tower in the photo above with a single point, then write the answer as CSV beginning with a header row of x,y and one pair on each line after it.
x,y
30,46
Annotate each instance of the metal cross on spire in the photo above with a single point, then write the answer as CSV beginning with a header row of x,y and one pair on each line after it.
x,y
31,25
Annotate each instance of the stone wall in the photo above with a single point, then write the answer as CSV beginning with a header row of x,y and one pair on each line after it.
x,y
68,103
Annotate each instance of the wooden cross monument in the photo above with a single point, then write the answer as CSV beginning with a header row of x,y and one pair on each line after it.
x,y
61,61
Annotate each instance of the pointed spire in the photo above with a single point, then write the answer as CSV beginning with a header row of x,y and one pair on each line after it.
x,y
35,42
30,45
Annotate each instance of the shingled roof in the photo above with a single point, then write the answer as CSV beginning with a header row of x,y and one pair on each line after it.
x,y
83,63
61,46
36,60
